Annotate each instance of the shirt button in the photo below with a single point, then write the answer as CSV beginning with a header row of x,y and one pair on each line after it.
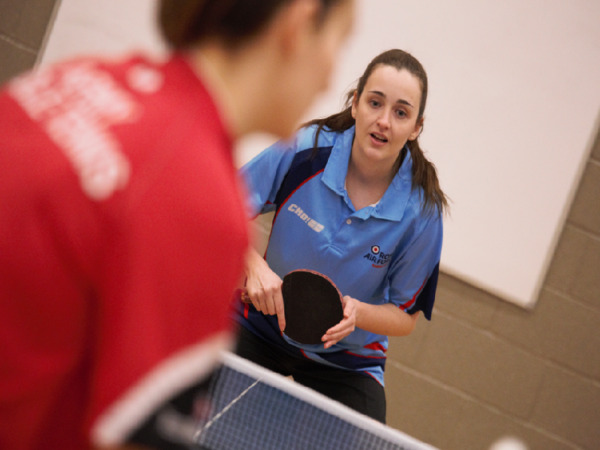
x,y
349,221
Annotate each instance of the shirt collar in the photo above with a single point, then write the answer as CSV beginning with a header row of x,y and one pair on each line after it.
x,y
394,201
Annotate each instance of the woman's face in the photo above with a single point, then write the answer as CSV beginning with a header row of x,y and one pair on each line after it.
x,y
386,115
308,73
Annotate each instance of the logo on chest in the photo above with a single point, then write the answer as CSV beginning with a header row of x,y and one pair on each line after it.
x,y
377,258
316,226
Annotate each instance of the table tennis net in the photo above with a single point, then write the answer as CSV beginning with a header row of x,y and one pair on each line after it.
x,y
253,408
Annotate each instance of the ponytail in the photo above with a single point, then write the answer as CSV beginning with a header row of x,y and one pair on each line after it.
x,y
424,176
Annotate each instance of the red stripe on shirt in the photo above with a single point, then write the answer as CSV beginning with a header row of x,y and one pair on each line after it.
x,y
365,356
376,346
412,301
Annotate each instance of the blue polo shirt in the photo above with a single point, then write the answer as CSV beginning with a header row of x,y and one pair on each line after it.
x,y
384,253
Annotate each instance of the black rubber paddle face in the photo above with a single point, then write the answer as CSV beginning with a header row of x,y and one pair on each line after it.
x,y
312,305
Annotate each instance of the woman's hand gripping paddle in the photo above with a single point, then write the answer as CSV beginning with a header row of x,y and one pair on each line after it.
x,y
312,305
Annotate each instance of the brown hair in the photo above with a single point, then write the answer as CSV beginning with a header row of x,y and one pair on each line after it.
x,y
424,174
184,23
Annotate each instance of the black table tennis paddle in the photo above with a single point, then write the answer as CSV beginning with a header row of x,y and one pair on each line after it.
x,y
312,303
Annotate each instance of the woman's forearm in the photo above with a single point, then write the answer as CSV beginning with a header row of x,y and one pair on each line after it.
x,y
385,319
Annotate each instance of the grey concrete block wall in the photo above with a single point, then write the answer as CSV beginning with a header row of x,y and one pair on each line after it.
x,y
484,368
23,25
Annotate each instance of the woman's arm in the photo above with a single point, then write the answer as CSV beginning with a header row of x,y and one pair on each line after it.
x,y
386,319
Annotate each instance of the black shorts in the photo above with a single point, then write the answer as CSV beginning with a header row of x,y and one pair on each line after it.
x,y
356,390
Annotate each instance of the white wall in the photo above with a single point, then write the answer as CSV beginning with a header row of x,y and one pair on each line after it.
x,y
104,27
513,107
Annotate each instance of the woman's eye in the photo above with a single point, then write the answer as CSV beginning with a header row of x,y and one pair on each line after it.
x,y
400,113
374,103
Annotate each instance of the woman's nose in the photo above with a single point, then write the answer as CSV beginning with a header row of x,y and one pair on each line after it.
x,y
383,120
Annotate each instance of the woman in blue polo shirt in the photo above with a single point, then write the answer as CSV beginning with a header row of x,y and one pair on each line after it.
x,y
356,199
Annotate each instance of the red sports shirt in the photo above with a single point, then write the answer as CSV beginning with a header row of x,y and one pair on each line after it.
x,y
122,235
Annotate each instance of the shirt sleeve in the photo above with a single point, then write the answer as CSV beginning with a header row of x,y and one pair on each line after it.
x,y
264,174
414,273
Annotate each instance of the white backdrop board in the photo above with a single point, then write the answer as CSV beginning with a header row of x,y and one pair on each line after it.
x,y
513,109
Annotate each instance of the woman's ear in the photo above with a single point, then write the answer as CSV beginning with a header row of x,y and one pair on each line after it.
x,y
418,128
354,104
295,22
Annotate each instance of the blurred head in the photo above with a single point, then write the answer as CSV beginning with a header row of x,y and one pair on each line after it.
x,y
296,40
185,23
307,70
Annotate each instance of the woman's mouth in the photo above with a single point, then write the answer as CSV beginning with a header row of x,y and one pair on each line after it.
x,y
379,137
